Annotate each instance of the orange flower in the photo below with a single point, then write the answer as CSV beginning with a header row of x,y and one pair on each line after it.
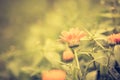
x,y
68,55
54,75
72,37
114,38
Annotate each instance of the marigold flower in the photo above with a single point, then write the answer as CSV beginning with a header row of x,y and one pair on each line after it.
x,y
114,38
72,37
54,74
67,55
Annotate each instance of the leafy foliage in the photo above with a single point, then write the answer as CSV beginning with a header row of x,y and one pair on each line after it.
x,y
37,48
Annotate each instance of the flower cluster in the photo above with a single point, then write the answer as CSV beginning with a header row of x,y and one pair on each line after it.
x,y
114,38
72,37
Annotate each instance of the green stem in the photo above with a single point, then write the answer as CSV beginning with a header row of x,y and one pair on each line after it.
x,y
92,37
99,44
77,63
85,73
109,57
93,61
76,59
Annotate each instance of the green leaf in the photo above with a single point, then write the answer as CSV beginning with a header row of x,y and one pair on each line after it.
x,y
31,70
37,58
14,67
52,57
28,70
100,58
85,56
91,75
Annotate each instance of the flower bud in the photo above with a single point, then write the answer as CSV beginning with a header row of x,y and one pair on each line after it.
x,y
54,75
68,55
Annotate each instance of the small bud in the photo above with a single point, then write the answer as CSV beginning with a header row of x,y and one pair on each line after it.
x,y
68,55
54,75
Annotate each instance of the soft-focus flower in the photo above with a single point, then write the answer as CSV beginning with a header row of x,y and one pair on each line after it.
x,y
67,55
72,37
114,38
54,75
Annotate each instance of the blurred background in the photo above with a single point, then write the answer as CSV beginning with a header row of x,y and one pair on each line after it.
x,y
25,20
29,30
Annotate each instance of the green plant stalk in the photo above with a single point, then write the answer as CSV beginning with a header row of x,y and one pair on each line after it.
x,y
94,61
77,63
84,76
109,57
94,39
